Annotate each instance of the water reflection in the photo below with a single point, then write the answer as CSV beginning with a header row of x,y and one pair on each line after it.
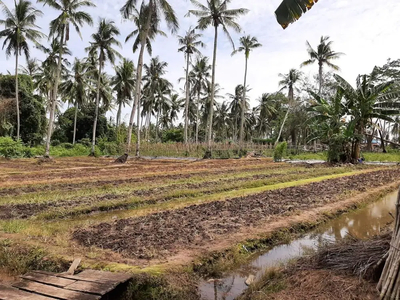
x,y
362,223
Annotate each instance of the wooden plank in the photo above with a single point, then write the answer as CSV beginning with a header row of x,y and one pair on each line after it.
x,y
99,276
52,291
73,267
9,293
92,287
48,279
104,276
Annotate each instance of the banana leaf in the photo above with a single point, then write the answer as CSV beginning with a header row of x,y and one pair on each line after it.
x,y
291,10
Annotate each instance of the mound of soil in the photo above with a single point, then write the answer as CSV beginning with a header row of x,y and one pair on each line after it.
x,y
167,232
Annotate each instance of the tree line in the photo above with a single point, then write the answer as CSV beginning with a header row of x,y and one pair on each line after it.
x,y
329,110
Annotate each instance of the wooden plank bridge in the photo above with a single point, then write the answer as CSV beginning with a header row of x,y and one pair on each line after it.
x,y
87,285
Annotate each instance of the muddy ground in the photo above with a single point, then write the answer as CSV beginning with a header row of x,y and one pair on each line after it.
x,y
166,233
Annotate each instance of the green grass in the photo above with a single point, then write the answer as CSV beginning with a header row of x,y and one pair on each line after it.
x,y
369,156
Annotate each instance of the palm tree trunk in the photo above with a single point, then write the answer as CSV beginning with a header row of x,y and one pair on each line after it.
x,y
96,113
17,92
148,125
320,79
119,114
281,129
187,98
157,123
75,120
138,86
54,96
243,105
211,108
197,117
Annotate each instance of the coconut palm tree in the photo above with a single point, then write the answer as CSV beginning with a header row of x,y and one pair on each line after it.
x,y
148,20
76,87
290,11
200,75
235,107
216,13
103,42
31,68
266,110
323,56
140,18
189,44
44,78
156,88
124,85
19,28
222,120
288,82
70,14
247,44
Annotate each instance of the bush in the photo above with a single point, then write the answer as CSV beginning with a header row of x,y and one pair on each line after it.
x,y
67,145
10,148
55,143
280,151
172,135
86,142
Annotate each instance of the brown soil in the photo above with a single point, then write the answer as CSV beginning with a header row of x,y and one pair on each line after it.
x,y
150,196
166,233
112,176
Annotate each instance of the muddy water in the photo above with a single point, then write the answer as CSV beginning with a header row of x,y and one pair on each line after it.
x,y
362,223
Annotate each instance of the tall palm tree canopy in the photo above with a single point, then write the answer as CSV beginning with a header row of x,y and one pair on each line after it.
x,y
139,18
190,42
69,14
124,80
323,55
20,27
104,40
290,11
289,81
216,13
157,8
247,44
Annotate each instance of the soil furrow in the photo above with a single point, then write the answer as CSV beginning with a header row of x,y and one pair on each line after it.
x,y
163,234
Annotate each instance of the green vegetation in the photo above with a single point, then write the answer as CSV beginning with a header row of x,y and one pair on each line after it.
x,y
280,151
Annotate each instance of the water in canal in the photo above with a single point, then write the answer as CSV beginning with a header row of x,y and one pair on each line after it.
x,y
362,223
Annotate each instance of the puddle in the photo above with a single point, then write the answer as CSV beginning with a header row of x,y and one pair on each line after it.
x,y
362,223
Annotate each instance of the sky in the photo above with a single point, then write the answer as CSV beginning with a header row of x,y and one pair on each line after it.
x,y
366,31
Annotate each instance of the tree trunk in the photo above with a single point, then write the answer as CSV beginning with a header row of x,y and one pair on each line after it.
x,y
148,125
17,92
75,120
157,123
54,96
320,78
187,98
281,129
382,141
119,114
138,86
96,114
211,108
137,154
291,102
389,283
243,105
197,116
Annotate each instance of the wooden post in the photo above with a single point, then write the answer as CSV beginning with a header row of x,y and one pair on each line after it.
x,y
389,283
